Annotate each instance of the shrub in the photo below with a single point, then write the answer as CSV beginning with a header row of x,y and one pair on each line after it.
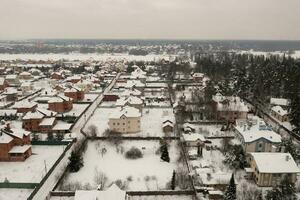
x,y
133,153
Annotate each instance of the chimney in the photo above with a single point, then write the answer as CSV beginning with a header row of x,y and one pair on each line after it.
x,y
245,126
287,158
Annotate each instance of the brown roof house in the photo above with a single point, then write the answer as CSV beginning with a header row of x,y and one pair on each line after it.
x,y
60,104
14,144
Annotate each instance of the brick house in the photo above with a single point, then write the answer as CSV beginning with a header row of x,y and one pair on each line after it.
x,y
74,93
14,146
57,76
3,84
25,106
31,121
47,124
60,104
229,108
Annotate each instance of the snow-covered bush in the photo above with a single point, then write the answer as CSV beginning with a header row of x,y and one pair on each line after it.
x,y
134,153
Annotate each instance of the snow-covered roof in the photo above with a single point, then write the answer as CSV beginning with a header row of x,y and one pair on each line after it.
x,y
229,103
126,111
167,123
4,138
47,113
196,75
112,193
24,104
47,121
279,110
33,115
131,100
275,163
279,101
255,128
7,112
20,149
62,127
59,98
192,137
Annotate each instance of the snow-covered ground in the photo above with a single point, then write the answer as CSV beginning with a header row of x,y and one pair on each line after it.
x,y
90,97
83,57
14,194
162,197
146,173
151,121
34,168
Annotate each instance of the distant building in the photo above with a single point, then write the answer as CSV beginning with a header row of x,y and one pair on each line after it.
x,y
198,77
25,75
57,76
270,168
125,120
280,102
3,84
229,108
279,113
74,93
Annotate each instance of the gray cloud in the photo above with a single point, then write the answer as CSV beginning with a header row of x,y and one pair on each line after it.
x,y
150,19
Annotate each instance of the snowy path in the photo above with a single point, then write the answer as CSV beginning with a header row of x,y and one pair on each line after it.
x,y
50,183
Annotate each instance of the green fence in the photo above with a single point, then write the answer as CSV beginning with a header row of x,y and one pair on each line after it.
x,y
18,185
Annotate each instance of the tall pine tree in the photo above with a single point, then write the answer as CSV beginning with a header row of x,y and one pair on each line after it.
x,y
230,193
173,181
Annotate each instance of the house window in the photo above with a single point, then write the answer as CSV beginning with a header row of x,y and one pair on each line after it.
x,y
124,124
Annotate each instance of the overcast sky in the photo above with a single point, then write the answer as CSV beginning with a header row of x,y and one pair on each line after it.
x,y
150,19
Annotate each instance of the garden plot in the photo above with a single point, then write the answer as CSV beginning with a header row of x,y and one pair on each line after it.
x,y
34,168
146,173
151,121
14,194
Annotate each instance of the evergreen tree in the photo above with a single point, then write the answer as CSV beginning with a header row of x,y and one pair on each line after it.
x,y
230,193
164,153
289,147
274,194
295,113
173,181
287,188
76,161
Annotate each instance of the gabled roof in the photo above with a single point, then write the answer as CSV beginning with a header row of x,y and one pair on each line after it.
x,y
279,110
126,111
254,129
33,115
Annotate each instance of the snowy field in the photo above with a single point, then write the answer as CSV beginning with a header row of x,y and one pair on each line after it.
x,y
83,57
163,197
14,194
35,166
151,121
146,173
62,198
